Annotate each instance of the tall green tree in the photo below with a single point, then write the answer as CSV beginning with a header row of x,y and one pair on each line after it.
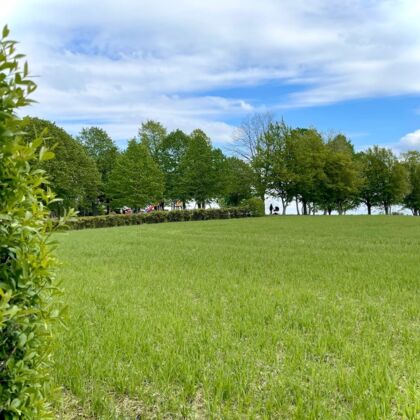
x,y
411,161
199,168
238,180
136,179
153,134
101,148
384,179
305,159
73,174
342,176
171,151
270,163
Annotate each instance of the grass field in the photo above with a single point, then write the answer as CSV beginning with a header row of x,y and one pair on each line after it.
x,y
281,317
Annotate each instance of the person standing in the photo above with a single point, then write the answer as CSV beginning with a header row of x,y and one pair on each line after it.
x,y
271,208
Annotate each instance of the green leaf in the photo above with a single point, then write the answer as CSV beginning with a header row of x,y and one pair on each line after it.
x,y
45,154
5,32
22,340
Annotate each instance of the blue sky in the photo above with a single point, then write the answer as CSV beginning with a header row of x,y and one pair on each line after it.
x,y
350,66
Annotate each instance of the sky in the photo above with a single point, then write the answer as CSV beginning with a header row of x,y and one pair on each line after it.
x,y
342,66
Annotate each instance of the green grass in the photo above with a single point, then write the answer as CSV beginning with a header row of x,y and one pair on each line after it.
x,y
281,317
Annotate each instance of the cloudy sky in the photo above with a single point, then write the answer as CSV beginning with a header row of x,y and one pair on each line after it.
x,y
350,66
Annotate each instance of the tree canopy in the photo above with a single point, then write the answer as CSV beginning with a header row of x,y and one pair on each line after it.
x,y
269,158
73,174
136,179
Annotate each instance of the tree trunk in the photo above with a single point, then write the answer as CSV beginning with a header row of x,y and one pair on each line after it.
x,y
369,208
386,209
297,207
329,211
284,206
305,208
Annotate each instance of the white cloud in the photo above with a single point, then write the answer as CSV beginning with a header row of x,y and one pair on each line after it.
x,y
119,63
410,141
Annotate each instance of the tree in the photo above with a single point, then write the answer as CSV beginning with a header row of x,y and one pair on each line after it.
x,y
305,161
153,134
73,174
385,180
199,170
270,163
101,148
103,151
171,151
136,179
411,161
237,182
249,142
342,176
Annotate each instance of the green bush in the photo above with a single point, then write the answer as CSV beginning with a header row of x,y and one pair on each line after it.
x,y
155,217
255,206
27,308
176,216
161,217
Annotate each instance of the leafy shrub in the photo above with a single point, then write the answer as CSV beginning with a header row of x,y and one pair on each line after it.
x,y
176,216
161,216
199,214
156,217
255,206
27,307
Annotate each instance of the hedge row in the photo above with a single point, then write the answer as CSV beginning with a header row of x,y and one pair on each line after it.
x,y
161,217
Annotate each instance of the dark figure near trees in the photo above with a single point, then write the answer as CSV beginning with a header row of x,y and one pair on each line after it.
x,y
271,208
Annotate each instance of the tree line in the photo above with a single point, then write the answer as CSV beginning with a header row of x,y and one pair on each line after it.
x,y
92,175
268,158
325,173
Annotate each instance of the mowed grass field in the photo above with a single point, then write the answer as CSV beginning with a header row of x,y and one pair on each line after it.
x,y
274,317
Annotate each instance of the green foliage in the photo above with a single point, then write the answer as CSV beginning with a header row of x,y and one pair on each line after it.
x,y
246,210
272,164
255,206
306,161
384,179
342,181
136,179
73,174
101,148
237,181
153,134
171,151
200,169
411,161
27,308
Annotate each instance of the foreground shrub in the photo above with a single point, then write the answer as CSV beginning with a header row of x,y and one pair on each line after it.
x,y
163,216
26,262
255,205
